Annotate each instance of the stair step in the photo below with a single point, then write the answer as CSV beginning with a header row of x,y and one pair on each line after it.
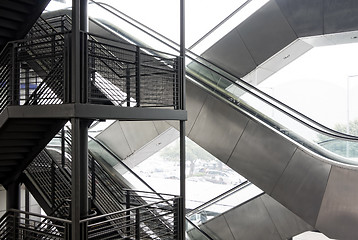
x,y
18,135
11,156
8,163
16,143
26,128
28,2
11,15
8,24
7,33
14,6
6,169
14,149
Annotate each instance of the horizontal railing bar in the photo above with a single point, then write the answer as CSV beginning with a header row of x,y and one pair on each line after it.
x,y
122,211
39,215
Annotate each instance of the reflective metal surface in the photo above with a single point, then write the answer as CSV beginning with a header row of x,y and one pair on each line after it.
x,y
339,212
287,223
261,155
261,217
218,128
252,222
195,98
305,17
266,32
236,60
218,229
302,186
340,16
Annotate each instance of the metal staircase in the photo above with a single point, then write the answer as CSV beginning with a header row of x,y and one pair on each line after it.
x,y
34,106
49,179
17,18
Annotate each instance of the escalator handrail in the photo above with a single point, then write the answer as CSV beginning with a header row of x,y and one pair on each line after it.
x,y
321,128
219,197
197,228
123,164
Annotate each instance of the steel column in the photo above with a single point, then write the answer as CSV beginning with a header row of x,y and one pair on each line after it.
x,y
79,206
13,202
181,234
13,196
79,79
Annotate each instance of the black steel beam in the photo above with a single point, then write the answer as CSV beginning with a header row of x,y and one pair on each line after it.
x,y
90,111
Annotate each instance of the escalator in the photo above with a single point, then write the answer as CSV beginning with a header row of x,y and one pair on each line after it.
x,y
246,207
277,152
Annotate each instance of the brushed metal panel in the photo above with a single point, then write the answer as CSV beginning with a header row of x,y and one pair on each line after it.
x,y
338,217
218,128
304,16
113,137
261,155
340,16
287,223
266,32
231,54
195,99
251,222
138,133
218,229
302,186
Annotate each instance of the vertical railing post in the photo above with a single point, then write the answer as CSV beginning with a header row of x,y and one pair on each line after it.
x,y
85,69
14,75
176,83
62,23
92,63
93,181
138,75
67,233
128,213
63,148
27,82
27,209
176,217
14,227
53,51
137,224
67,68
128,85
53,185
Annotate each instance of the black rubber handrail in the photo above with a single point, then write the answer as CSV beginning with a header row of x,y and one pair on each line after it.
x,y
197,228
123,164
220,197
320,127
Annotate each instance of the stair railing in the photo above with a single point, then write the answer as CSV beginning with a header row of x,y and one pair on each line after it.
x,y
16,224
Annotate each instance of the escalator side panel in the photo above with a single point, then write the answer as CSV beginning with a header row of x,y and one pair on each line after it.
x,y
339,211
261,156
241,221
287,223
260,218
218,229
302,186
218,123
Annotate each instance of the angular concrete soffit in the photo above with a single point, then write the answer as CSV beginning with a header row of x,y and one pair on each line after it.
x,y
152,147
293,51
